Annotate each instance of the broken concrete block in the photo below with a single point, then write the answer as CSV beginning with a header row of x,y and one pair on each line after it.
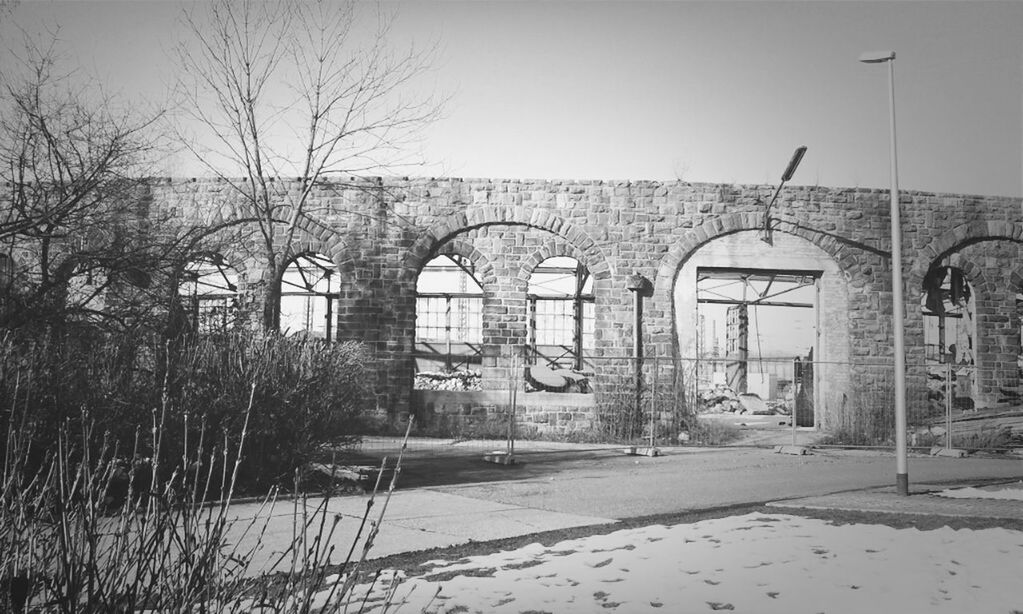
x,y
950,452
499,457
794,450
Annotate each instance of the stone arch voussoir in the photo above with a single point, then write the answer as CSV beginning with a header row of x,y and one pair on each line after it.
x,y
315,238
554,248
485,274
671,263
949,243
430,241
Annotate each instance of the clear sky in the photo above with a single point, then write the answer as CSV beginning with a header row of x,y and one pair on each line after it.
x,y
711,91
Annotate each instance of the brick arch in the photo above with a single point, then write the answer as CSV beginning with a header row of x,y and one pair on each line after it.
x,y
442,231
485,274
552,249
234,259
315,238
974,272
730,223
963,235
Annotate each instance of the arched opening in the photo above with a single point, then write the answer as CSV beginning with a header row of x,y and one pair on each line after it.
x,y
757,329
763,332
309,293
209,294
449,325
950,332
561,309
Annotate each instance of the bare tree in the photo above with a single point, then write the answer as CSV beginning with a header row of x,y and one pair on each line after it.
x,y
73,207
297,90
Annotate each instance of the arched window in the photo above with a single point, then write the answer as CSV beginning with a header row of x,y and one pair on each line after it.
x,y
948,310
561,312
309,291
950,332
209,293
449,317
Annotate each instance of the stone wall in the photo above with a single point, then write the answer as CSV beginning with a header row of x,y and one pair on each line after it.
x,y
381,233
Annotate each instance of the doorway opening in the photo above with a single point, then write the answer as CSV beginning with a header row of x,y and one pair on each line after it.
x,y
757,335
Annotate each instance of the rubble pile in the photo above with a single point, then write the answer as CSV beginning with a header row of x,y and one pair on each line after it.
x,y
453,380
722,399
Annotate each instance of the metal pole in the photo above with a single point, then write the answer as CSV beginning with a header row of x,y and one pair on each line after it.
x,y
511,398
797,376
653,403
901,462
948,405
637,351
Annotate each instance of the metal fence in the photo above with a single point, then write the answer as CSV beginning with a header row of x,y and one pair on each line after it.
x,y
660,401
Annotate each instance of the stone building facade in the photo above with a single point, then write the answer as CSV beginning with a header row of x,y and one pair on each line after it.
x,y
379,234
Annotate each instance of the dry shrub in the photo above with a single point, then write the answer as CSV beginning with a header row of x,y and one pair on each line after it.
x,y
307,393
95,532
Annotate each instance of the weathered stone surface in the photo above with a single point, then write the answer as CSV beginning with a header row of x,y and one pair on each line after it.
x,y
382,239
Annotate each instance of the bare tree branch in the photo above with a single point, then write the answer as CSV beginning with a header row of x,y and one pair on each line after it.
x,y
299,90
74,197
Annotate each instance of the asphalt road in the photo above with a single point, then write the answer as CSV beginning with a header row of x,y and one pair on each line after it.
x,y
609,484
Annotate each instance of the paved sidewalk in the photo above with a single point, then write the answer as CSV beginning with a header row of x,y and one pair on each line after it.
x,y
454,501
414,520
923,500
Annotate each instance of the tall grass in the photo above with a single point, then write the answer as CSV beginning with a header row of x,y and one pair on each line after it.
x,y
866,420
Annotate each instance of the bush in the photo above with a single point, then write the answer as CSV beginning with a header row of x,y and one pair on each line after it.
x,y
303,393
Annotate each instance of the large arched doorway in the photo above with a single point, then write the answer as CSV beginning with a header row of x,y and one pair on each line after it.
x,y
768,321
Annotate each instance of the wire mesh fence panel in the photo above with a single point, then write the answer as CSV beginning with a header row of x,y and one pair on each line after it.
x,y
970,408
666,401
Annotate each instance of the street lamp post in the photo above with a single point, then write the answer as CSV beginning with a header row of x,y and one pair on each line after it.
x,y
898,310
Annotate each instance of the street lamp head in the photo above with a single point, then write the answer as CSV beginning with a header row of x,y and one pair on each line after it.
x,y
876,57
793,163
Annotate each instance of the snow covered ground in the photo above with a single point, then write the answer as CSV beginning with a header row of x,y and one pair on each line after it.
x,y
1012,491
756,562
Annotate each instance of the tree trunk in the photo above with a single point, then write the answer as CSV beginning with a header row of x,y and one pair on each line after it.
x,y
272,303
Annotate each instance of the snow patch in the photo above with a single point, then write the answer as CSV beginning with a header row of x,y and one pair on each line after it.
x,y
751,563
1012,492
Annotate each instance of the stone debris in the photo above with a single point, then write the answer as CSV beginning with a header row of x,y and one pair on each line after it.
x,y
454,380
722,399
548,379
